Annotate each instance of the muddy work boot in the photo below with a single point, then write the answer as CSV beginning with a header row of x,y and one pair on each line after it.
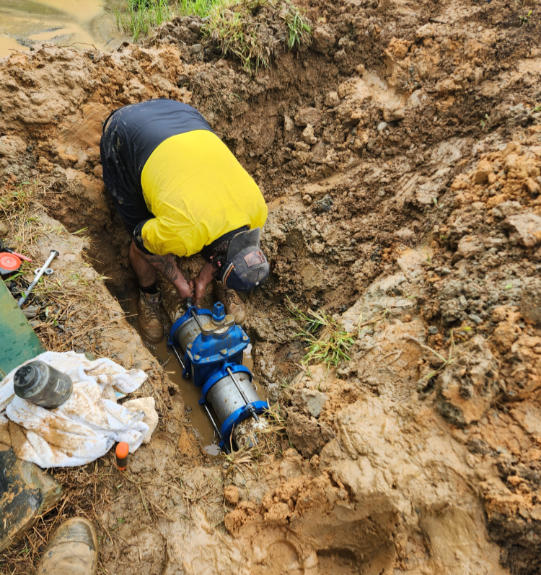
x,y
72,550
232,302
150,322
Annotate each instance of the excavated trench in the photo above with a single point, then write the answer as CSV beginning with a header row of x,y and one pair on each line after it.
x,y
108,246
399,157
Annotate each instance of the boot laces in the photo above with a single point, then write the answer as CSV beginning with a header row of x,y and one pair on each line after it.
x,y
151,304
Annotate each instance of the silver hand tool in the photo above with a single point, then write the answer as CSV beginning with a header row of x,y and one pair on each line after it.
x,y
38,273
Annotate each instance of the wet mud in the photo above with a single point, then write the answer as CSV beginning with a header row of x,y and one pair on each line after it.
x,y
26,25
400,156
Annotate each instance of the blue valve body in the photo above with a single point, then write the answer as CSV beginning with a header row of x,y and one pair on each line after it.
x,y
212,356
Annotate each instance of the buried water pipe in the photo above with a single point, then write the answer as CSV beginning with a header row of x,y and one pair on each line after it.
x,y
209,346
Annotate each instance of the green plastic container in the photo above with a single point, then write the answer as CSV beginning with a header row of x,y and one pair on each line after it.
x,y
18,342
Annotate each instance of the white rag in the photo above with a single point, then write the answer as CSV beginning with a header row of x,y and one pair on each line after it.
x,y
83,428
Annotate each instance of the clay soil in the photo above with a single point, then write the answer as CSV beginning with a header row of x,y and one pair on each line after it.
x,y
400,155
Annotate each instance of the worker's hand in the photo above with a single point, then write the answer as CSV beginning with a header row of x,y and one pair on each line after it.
x,y
203,279
200,289
184,288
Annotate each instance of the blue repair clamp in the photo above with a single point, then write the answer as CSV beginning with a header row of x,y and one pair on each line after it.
x,y
239,415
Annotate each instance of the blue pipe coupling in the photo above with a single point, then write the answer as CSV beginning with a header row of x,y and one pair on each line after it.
x,y
212,346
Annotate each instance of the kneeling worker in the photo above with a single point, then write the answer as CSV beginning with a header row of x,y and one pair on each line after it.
x,y
180,191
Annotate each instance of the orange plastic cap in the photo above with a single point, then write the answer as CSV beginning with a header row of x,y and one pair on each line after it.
x,y
122,450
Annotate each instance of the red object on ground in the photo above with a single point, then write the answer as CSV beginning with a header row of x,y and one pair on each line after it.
x,y
9,262
122,450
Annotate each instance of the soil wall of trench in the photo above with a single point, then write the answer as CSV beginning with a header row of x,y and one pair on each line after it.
x,y
400,155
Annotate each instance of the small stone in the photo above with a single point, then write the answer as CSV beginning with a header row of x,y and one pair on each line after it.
x,y
301,146
308,115
318,248
323,39
532,187
484,169
509,208
432,330
469,246
194,25
405,234
475,318
11,146
332,99
382,126
393,114
324,204
31,311
340,56
313,400
288,124
530,302
308,135
526,228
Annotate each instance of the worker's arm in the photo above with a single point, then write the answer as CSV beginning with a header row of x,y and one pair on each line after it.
x,y
144,264
206,275
166,264
169,268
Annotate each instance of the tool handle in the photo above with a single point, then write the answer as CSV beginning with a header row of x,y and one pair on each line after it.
x,y
26,259
39,273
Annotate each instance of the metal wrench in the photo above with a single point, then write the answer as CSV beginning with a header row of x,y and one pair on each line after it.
x,y
42,270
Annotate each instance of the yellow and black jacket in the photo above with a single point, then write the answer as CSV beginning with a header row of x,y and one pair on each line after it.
x,y
163,153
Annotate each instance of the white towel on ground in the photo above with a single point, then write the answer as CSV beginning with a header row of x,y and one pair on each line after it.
x,y
83,428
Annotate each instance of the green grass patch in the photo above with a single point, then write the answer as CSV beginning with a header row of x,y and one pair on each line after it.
x,y
298,27
326,340
253,30
141,16
195,7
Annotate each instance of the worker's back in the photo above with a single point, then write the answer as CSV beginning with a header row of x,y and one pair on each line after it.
x,y
192,185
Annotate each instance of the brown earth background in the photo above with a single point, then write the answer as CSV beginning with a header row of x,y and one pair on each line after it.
x,y
400,156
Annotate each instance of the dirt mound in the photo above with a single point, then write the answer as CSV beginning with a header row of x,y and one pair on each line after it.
x,y
400,155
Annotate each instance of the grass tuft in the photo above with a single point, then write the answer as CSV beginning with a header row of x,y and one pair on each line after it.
x,y
253,30
142,16
299,29
199,8
326,340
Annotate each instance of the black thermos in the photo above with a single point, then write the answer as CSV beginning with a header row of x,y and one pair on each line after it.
x,y
42,384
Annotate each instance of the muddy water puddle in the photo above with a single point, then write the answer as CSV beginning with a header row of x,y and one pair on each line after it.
x,y
190,396
25,24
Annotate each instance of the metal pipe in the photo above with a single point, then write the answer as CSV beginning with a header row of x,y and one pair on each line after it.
x,y
228,394
243,395
209,415
178,357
